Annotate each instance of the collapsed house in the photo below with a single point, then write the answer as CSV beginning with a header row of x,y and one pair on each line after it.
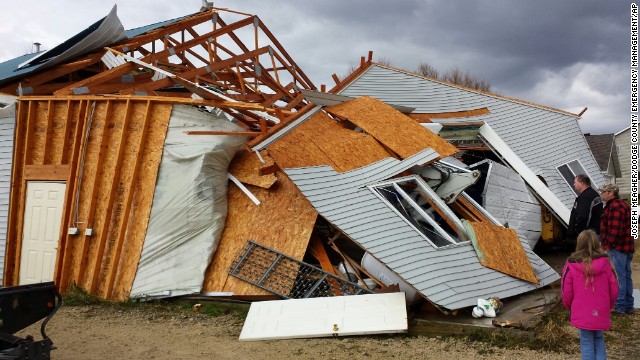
x,y
544,146
123,156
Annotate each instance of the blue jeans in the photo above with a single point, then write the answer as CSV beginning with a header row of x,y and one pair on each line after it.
x,y
592,345
622,264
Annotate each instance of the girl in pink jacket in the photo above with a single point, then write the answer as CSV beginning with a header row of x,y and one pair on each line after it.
x,y
589,290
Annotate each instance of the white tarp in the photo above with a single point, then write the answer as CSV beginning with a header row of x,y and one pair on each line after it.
x,y
189,205
326,316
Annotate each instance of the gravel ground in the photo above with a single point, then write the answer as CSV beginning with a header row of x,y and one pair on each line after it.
x,y
95,332
108,332
160,332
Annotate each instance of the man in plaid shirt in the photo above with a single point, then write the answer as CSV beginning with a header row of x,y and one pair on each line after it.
x,y
615,235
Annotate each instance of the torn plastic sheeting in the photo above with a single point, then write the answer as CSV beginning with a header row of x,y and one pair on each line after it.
x,y
189,206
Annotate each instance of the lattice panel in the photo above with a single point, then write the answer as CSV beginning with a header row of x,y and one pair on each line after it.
x,y
288,277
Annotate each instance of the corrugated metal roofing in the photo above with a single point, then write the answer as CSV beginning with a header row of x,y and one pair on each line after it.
x,y
145,29
103,32
543,138
451,276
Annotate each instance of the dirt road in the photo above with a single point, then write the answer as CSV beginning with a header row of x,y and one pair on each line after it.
x,y
160,332
99,332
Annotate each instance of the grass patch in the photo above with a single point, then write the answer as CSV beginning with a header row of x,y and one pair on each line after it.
x,y
215,309
551,334
76,296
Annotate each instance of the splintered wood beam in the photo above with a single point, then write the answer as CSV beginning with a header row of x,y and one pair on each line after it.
x,y
320,253
348,261
295,102
213,132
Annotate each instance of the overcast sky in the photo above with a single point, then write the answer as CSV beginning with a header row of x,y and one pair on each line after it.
x,y
566,54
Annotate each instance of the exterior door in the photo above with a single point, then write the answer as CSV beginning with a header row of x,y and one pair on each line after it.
x,y
42,218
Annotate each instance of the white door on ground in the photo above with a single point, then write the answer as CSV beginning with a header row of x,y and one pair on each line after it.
x,y
42,217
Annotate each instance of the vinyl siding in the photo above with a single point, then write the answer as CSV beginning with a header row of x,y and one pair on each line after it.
x,y
542,138
7,129
447,276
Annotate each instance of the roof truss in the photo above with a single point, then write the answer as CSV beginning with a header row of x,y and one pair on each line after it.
x,y
201,49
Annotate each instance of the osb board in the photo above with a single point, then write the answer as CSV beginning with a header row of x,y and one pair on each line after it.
x,y
138,218
397,131
245,167
132,196
283,222
502,251
131,210
295,150
322,141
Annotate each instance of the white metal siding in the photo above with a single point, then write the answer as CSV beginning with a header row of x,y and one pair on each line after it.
x,y
447,276
542,138
7,129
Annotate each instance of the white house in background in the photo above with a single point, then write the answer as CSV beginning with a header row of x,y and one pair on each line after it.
x,y
547,141
622,143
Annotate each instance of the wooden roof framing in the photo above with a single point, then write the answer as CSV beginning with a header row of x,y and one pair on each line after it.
x,y
202,49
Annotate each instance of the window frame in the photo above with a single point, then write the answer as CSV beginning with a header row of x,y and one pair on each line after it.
x,y
437,228
573,173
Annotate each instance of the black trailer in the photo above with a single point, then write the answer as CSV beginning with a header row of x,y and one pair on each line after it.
x,y
21,306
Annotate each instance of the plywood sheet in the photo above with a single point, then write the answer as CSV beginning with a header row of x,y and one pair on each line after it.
x,y
322,141
245,166
500,249
296,149
392,128
283,222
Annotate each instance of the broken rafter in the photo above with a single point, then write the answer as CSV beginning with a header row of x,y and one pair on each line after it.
x,y
212,132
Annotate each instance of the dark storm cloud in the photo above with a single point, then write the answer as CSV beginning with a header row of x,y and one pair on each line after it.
x,y
565,54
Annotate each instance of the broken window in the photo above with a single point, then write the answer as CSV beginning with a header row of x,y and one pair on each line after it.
x,y
423,209
570,170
